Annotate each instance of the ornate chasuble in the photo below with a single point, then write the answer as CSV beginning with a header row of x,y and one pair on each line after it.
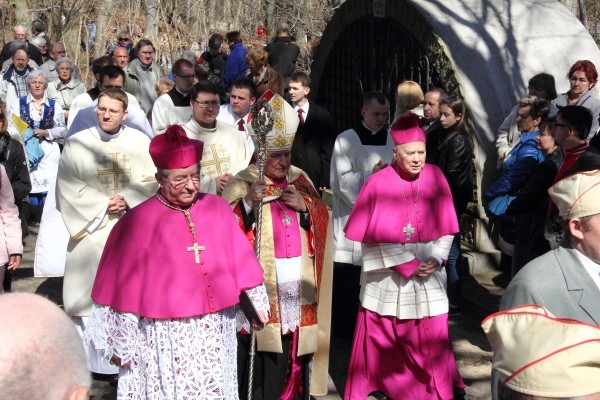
x,y
313,252
93,167
225,151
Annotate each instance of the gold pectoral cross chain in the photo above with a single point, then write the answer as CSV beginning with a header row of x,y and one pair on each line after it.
x,y
195,247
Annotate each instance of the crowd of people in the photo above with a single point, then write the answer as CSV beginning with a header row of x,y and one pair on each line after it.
x,y
189,233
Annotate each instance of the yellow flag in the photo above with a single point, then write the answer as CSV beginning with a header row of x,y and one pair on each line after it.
x,y
20,124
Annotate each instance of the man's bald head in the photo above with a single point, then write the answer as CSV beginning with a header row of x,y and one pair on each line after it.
x,y
121,57
41,356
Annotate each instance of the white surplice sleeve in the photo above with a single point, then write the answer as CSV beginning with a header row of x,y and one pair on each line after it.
x,y
346,177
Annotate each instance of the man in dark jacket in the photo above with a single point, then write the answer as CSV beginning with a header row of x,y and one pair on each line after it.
x,y
20,33
313,144
283,52
571,128
216,58
431,123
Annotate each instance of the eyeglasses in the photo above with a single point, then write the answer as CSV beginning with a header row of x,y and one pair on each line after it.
x,y
207,104
557,124
112,113
123,39
180,182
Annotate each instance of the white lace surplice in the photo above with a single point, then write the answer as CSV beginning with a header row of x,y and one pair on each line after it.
x,y
185,358
288,290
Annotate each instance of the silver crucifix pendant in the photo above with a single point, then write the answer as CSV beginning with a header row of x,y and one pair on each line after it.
x,y
409,230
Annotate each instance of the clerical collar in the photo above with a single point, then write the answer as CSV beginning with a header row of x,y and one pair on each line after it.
x,y
179,99
181,93
105,137
369,138
369,129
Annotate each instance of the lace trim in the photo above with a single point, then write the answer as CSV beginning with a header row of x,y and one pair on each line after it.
x,y
289,305
258,296
186,358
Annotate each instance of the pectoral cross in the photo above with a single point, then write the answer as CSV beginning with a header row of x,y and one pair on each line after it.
x,y
196,249
409,230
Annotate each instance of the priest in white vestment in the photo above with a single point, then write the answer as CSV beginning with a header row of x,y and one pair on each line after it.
x,y
104,171
357,154
173,107
225,152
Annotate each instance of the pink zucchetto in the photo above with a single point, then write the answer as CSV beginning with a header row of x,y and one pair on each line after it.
x,y
406,129
173,149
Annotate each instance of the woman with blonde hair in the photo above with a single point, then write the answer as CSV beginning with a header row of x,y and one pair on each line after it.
x,y
409,97
265,77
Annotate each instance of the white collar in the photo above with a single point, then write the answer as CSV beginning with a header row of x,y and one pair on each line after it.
x,y
304,108
105,137
592,268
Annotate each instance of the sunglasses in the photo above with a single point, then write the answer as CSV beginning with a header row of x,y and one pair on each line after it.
x,y
123,39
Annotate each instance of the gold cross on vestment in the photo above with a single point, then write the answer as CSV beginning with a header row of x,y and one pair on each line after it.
x,y
117,167
196,249
215,156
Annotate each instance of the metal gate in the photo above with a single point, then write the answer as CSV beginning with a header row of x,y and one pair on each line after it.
x,y
371,54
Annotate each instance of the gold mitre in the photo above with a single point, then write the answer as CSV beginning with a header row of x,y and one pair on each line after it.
x,y
285,123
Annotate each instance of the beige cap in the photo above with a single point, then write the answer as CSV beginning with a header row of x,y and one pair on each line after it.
x,y
577,195
540,355
285,123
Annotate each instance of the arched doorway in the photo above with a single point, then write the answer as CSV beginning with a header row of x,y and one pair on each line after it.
x,y
359,53
483,51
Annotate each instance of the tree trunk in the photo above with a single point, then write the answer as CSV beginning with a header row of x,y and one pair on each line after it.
x,y
583,14
101,27
21,13
151,31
